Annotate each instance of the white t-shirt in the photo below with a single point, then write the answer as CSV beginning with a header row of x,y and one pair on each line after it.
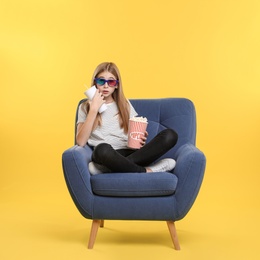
x,y
109,131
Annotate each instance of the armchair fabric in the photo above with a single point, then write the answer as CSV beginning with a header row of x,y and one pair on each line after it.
x,y
160,196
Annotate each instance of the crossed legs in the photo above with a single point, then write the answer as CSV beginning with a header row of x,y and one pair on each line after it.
x,y
127,160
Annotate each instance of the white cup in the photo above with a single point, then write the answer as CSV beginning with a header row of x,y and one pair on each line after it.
x,y
90,94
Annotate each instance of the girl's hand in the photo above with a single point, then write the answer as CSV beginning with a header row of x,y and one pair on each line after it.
x,y
144,138
97,101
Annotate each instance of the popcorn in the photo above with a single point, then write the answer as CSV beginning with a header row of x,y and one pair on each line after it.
x,y
139,119
136,130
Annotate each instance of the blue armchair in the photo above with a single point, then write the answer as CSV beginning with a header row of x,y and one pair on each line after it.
x,y
164,196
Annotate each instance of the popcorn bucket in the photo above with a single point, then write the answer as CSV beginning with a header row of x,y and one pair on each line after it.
x,y
136,130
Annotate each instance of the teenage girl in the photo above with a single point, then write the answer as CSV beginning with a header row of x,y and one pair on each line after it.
x,y
106,132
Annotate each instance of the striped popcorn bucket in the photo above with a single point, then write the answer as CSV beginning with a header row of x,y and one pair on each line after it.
x,y
136,130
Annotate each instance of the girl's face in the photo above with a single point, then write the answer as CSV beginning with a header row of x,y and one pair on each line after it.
x,y
105,89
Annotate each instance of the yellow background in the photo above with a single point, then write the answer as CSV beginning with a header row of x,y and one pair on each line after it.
x,y
207,51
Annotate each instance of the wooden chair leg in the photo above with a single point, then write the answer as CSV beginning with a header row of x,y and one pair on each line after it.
x,y
93,233
172,229
102,223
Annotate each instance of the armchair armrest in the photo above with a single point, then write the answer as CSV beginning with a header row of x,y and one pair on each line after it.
x,y
190,168
75,167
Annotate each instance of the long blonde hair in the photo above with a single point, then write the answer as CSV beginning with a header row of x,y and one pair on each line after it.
x,y
118,95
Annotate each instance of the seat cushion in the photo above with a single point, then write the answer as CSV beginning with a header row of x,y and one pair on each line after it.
x,y
134,184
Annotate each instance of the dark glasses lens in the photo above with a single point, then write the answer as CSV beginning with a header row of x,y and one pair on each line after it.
x,y
110,82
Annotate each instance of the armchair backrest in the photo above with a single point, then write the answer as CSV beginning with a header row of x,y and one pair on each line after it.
x,y
176,113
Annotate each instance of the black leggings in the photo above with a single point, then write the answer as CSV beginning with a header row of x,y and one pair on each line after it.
x,y
128,160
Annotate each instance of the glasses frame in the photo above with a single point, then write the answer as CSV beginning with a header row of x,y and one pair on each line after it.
x,y
106,81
